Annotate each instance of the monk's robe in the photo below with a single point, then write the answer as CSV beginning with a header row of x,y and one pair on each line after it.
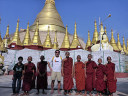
x,y
67,69
28,83
111,83
100,83
80,75
90,72
42,80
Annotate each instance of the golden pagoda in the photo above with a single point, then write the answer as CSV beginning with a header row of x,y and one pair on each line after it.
x,y
66,42
49,16
27,39
127,44
101,31
0,39
36,38
95,34
16,38
75,42
47,42
88,44
6,38
124,47
55,43
113,42
118,43
105,31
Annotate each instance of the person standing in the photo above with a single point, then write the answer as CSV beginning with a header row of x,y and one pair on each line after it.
x,y
90,72
100,78
56,70
79,75
42,75
111,77
67,73
29,76
17,76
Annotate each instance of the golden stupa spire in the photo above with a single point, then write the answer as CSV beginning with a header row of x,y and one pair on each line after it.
x,y
75,42
88,44
124,47
16,38
105,31
95,34
50,1
7,32
113,42
101,30
118,43
36,37
55,43
66,42
27,39
47,42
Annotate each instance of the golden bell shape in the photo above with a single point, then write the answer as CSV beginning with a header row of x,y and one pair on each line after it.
x,y
95,34
47,42
66,42
16,38
27,39
36,38
75,42
55,43
113,42
118,43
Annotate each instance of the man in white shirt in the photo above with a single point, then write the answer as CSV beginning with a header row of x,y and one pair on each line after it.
x,y
56,71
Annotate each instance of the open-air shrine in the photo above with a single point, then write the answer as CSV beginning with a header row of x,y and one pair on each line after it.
x,y
48,34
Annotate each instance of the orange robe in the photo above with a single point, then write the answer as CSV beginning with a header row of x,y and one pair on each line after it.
x,y
80,75
111,83
90,72
68,79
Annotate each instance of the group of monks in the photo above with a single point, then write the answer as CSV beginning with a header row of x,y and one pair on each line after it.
x,y
89,76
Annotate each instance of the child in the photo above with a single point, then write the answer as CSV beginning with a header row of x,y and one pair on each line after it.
x,y
100,78
79,71
17,76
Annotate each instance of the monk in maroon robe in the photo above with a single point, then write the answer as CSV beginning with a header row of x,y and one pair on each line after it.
x,y
29,76
42,75
111,78
90,69
100,78
79,73
67,72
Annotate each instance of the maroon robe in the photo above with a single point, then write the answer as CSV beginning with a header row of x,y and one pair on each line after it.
x,y
90,72
42,80
67,69
100,72
80,75
111,83
28,83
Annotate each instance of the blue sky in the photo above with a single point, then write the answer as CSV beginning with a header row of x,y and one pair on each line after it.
x,y
84,12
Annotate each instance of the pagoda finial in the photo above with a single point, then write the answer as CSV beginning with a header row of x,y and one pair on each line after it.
x,y
88,44
27,39
66,42
118,43
47,42
16,38
55,43
105,31
50,1
7,32
75,42
95,34
113,42
124,47
36,38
